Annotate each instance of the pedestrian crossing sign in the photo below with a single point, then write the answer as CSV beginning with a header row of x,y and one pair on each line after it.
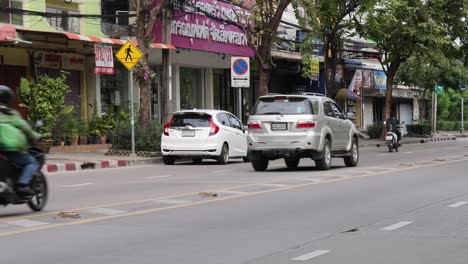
x,y
129,55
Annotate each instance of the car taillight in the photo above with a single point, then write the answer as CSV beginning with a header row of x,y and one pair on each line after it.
x,y
254,125
214,128
305,124
166,127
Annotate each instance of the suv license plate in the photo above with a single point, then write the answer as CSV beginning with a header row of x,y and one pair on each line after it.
x,y
188,133
279,126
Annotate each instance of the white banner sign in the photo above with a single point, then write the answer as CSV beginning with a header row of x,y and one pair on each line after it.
x,y
104,59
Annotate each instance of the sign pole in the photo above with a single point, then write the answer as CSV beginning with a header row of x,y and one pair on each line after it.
x,y
462,119
132,112
239,110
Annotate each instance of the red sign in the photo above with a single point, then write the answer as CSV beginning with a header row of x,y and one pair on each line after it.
x,y
7,31
104,59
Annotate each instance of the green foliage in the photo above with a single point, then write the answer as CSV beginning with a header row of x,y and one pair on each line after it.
x,y
375,130
99,126
44,100
148,139
419,130
65,128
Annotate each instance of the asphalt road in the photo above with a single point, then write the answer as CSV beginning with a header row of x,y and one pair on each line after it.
x,y
405,207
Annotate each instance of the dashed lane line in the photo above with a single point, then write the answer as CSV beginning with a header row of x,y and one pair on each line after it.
x,y
105,211
396,226
26,223
78,185
311,255
455,205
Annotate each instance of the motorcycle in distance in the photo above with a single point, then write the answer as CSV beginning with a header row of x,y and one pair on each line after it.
x,y
391,140
36,201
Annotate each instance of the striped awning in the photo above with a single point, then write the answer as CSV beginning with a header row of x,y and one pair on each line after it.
x,y
113,41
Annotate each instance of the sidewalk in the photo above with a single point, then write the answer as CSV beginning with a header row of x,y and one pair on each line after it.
x,y
61,162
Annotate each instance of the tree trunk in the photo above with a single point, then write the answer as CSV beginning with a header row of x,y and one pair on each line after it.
x,y
392,70
264,77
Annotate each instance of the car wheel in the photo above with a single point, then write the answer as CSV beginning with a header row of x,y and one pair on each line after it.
x,y
260,165
224,156
197,160
325,162
292,163
352,161
168,160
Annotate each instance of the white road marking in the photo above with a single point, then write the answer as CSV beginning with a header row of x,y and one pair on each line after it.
x,y
408,152
218,171
78,185
455,205
158,177
173,201
26,223
396,226
309,179
381,155
232,192
274,185
105,211
311,255
453,147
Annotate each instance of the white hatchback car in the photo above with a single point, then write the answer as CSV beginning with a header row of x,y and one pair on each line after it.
x,y
203,134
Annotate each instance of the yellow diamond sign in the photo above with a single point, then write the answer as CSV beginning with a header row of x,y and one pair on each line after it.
x,y
129,55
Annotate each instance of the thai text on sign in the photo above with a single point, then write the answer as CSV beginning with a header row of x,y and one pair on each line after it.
x,y
104,59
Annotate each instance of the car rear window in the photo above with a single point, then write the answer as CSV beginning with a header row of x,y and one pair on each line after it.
x,y
191,119
284,106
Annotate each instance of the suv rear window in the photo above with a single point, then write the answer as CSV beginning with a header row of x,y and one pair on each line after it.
x,y
191,119
284,106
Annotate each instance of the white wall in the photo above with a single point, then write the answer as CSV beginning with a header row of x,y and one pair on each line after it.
x,y
368,112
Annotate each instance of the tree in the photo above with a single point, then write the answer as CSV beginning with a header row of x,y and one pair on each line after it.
x,y
260,25
147,12
333,20
401,28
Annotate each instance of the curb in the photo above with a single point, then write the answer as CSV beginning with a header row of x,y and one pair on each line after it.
x,y
104,164
415,141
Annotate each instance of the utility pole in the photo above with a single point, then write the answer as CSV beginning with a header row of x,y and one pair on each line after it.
x,y
166,85
434,113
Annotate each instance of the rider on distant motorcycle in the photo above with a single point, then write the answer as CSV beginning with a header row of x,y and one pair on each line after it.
x,y
13,128
392,125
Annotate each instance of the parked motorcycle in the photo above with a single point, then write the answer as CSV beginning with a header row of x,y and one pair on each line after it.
x,y
36,201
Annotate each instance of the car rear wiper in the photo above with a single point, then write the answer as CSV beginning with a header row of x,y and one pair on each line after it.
x,y
273,113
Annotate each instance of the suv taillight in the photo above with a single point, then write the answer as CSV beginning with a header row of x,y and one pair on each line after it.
x,y
305,124
166,127
214,128
254,125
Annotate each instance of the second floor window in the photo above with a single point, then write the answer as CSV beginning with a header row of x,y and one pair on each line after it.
x,y
14,18
63,20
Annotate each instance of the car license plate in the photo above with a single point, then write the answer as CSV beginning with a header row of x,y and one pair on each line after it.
x,y
389,138
279,126
188,133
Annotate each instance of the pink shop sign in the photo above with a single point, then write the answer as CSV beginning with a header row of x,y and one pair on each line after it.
x,y
194,30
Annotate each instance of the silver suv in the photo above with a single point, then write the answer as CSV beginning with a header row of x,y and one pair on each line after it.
x,y
300,126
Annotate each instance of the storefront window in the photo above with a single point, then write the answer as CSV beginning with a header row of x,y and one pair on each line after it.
x,y
114,90
190,88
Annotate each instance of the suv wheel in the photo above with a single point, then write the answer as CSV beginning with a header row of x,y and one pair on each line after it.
x,y
353,159
224,156
292,163
260,165
168,160
325,162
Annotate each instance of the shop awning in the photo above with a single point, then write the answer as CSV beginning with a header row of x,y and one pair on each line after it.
x,y
94,39
112,41
7,33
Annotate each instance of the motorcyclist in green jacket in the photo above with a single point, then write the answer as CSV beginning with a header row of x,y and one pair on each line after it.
x,y
18,154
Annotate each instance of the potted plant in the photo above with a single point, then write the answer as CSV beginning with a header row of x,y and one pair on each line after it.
x,y
98,127
45,101
83,132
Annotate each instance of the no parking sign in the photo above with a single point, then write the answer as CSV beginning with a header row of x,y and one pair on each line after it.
x,y
240,71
